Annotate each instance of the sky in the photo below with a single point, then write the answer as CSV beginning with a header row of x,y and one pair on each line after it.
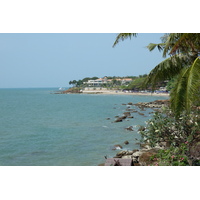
x,y
31,60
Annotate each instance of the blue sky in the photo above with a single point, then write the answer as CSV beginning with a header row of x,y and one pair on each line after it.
x,y
53,59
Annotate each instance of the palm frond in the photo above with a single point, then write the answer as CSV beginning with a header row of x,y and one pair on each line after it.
x,y
179,43
177,95
165,70
123,36
170,41
152,46
182,96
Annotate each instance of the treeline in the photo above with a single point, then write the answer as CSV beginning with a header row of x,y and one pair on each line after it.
x,y
136,84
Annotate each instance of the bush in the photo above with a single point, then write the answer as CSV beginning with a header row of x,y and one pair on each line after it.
x,y
179,134
173,156
164,127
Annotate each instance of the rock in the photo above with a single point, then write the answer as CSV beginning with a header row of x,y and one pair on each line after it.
x,y
154,104
130,117
127,157
121,153
123,117
135,150
117,146
145,146
145,158
126,142
108,118
130,103
142,128
130,128
127,113
120,119
129,152
137,154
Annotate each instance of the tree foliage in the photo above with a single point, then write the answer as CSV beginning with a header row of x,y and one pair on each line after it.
x,y
182,51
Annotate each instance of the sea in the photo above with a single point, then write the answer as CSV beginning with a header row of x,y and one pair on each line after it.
x,y
41,128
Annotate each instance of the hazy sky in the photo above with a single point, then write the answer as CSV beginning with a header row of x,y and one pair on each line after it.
x,y
53,59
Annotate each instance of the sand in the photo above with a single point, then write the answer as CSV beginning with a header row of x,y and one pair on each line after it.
x,y
123,93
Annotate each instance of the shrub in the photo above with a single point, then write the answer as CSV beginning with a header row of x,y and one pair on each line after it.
x,y
164,127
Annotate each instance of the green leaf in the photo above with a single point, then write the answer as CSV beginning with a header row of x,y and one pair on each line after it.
x,y
123,36
182,96
165,70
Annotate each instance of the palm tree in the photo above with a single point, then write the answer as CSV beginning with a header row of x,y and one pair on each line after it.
x,y
183,50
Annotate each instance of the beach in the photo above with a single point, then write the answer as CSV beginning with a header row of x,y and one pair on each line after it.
x,y
118,92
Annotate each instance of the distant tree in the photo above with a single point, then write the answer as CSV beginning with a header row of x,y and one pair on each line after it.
x,y
137,84
74,83
79,83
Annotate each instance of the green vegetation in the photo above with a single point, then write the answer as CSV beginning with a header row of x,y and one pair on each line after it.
x,y
137,83
183,62
177,126
179,135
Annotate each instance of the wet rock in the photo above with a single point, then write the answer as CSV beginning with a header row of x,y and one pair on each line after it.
x,y
153,104
117,146
130,128
130,103
120,154
130,117
108,118
142,128
126,113
126,142
130,110
120,119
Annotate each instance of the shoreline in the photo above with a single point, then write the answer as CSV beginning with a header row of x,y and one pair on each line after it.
x,y
142,155
111,92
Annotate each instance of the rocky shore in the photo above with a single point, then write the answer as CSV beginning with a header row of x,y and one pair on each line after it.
x,y
136,157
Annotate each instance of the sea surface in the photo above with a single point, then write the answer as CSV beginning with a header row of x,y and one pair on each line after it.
x,y
39,128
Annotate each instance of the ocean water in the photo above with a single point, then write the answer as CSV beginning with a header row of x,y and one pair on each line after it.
x,y
38,128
